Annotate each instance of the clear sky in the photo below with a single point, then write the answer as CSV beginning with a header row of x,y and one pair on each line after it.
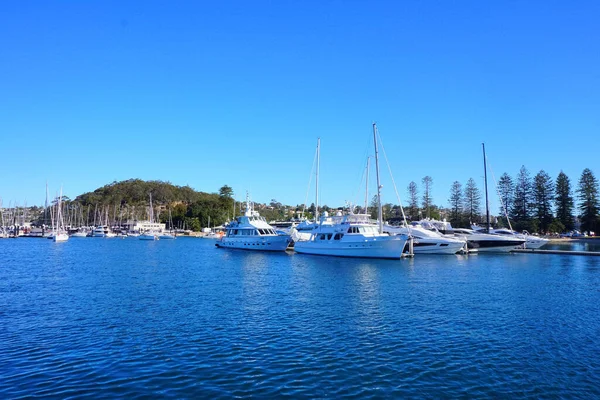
x,y
206,93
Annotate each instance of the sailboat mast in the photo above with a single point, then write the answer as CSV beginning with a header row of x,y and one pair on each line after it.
x,y
487,204
367,187
317,179
379,208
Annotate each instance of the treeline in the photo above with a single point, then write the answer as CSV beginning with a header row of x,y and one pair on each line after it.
x,y
538,204
543,204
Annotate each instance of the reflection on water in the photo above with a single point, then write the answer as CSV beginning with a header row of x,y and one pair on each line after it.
x,y
129,318
575,245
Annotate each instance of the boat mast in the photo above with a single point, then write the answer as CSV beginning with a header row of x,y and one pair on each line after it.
x,y
380,209
317,179
367,187
487,204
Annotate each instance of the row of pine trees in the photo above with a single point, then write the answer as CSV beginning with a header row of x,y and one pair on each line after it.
x,y
539,204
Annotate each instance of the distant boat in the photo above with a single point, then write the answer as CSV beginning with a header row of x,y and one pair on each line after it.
x,y
428,242
58,232
531,241
170,234
252,232
354,235
79,234
151,234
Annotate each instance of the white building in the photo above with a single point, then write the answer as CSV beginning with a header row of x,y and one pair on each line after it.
x,y
143,226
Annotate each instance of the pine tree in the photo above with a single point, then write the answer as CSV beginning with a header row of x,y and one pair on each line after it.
x,y
413,201
456,204
564,201
543,194
472,201
521,211
506,190
427,200
589,202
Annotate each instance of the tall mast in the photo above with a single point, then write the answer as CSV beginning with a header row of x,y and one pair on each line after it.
x,y
317,179
487,204
367,187
380,209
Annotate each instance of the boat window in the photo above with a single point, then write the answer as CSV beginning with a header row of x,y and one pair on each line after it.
x,y
338,236
322,236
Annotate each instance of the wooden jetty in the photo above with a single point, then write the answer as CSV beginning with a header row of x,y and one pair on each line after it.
x,y
562,252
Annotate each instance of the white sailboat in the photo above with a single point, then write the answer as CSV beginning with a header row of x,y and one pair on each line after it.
x,y
170,234
303,230
354,235
58,232
151,234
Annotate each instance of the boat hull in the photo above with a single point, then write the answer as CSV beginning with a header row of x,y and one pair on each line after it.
x,y
61,237
379,247
424,246
146,236
259,243
491,246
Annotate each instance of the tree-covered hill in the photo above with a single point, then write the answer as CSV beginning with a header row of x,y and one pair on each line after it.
x,y
131,199
136,191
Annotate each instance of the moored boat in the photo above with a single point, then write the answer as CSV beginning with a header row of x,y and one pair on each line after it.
x,y
354,235
252,232
428,242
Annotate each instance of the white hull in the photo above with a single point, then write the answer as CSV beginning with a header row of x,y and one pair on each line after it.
x,y
428,242
535,243
148,236
79,234
433,246
166,236
260,243
61,237
370,247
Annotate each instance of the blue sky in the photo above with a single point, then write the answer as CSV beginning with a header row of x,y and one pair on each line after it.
x,y
214,93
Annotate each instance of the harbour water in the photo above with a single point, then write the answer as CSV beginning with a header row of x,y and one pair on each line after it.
x,y
131,318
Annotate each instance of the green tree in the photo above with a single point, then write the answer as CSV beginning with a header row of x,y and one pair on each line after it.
x,y
413,201
543,194
427,199
587,192
472,201
506,189
456,204
226,191
564,202
521,210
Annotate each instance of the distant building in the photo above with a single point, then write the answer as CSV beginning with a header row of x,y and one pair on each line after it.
x,y
143,226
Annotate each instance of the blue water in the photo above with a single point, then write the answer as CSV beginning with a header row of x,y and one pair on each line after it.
x,y
128,318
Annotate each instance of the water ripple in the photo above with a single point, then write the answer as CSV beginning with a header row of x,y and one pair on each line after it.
x,y
101,318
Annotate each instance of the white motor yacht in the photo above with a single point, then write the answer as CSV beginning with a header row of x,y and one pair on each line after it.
x,y
352,235
428,242
531,241
252,232
487,242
